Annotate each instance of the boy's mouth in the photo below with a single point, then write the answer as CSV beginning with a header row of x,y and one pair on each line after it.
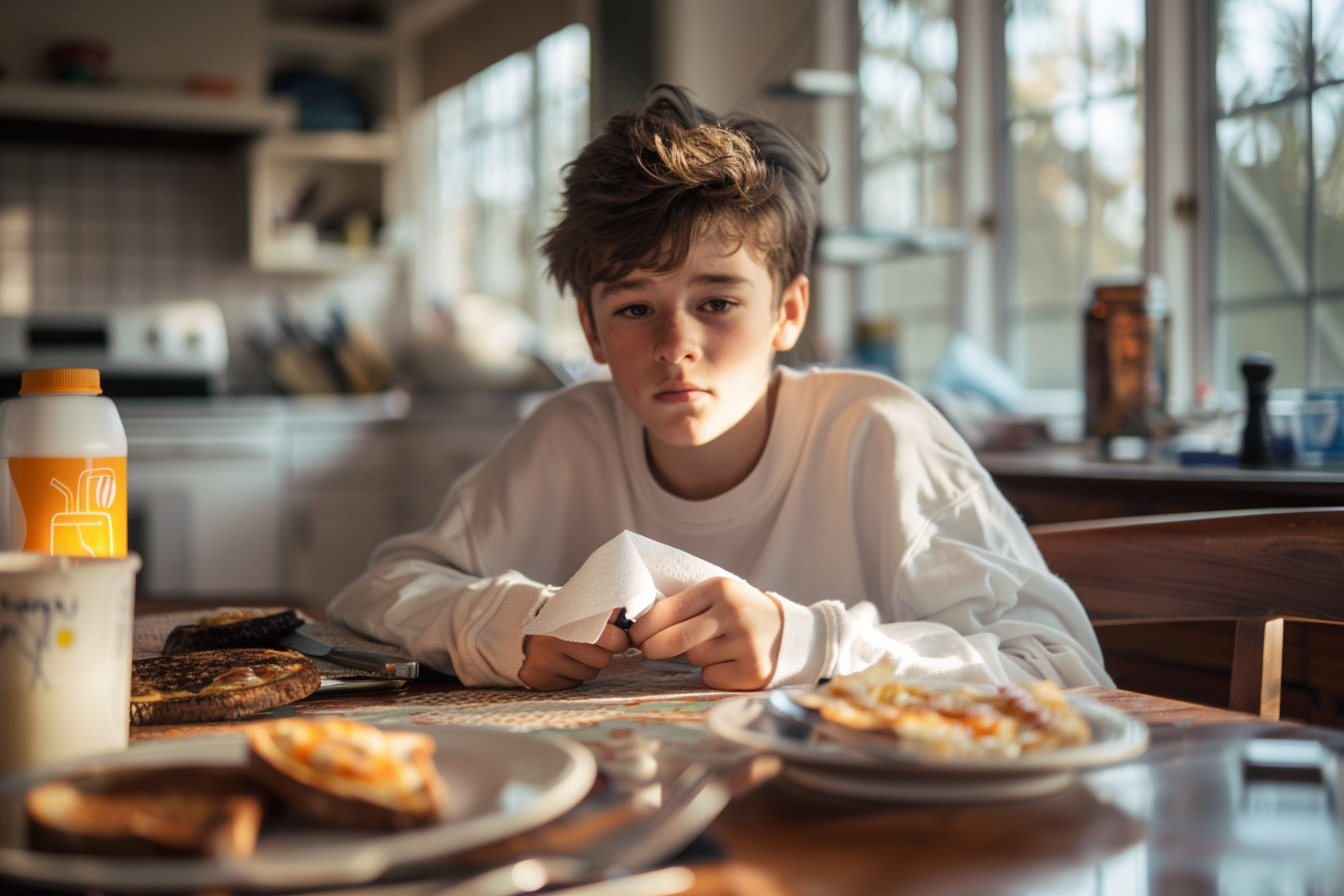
x,y
680,392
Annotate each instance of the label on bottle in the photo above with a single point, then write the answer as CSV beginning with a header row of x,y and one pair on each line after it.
x,y
75,506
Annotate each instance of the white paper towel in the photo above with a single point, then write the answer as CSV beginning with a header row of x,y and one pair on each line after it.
x,y
629,571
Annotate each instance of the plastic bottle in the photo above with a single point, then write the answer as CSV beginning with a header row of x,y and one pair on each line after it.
x,y
64,457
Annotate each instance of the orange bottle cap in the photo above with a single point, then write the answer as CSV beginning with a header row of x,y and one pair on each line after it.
x,y
61,379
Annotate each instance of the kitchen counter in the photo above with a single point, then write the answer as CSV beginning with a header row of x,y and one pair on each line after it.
x,y
1065,483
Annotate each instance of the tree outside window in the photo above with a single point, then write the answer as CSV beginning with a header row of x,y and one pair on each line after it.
x,y
1075,169
1278,236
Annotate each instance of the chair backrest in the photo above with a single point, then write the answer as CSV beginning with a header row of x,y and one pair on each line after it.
x,y
1258,567
1239,563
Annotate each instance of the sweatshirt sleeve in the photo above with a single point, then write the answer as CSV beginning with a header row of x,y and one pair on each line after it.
x,y
420,593
976,603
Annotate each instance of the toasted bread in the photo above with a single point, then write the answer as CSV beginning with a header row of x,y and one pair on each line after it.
x,y
343,772
180,811
211,685
226,630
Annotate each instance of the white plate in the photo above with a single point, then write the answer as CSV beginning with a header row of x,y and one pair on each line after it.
x,y
938,789
744,720
500,783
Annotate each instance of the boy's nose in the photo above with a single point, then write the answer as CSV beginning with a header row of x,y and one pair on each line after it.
x,y
676,341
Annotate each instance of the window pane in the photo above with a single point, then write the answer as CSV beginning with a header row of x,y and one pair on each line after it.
x,y
1115,38
1116,198
1262,50
1276,329
1045,44
909,58
1050,212
1327,25
912,292
891,197
1262,226
1329,336
1051,349
907,134
1327,111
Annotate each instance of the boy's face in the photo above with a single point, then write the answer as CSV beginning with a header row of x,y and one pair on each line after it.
x,y
690,350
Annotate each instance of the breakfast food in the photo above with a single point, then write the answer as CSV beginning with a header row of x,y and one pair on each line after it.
x,y
340,771
181,811
950,721
231,628
211,685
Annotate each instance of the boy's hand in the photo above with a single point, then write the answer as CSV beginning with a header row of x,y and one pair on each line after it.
x,y
553,664
728,628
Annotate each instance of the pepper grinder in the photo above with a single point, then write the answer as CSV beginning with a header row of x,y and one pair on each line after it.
x,y
1257,440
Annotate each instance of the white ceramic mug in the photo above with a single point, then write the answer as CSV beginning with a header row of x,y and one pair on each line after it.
x,y
65,656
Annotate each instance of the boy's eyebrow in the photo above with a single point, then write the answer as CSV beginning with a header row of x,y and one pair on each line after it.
x,y
635,284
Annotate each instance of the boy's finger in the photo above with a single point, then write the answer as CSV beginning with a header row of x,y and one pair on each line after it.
x,y
613,639
669,611
715,650
593,656
680,637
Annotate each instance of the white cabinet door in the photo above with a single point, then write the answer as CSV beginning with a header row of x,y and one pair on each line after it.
x,y
209,522
333,531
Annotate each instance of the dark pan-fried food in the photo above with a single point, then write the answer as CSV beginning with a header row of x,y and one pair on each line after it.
x,y
238,629
180,811
212,685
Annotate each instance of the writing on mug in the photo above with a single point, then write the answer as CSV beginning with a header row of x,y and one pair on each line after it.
x,y
33,626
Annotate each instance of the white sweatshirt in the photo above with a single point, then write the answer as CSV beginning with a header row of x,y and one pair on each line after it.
x,y
867,515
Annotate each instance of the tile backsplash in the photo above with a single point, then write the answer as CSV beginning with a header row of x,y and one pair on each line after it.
x,y
113,226
119,226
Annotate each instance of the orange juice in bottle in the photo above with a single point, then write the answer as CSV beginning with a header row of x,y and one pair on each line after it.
x,y
63,449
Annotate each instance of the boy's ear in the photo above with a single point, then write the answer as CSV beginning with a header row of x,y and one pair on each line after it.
x,y
589,331
792,314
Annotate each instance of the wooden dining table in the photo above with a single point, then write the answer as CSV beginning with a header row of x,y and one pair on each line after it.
x,y
1201,811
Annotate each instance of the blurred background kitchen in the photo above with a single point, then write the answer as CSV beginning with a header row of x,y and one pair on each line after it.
x,y
298,238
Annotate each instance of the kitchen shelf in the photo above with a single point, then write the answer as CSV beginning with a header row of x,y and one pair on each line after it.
x,y
864,247
342,174
141,107
329,40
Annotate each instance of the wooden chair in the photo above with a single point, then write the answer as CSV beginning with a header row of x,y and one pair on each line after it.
x,y
1257,568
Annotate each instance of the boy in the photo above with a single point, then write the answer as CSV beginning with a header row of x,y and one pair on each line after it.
x,y
863,524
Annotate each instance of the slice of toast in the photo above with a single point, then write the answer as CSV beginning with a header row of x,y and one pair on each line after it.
x,y
231,630
211,685
180,811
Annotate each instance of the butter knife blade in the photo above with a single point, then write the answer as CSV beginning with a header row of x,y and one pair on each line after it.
x,y
364,660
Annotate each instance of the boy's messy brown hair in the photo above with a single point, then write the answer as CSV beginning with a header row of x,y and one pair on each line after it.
x,y
658,178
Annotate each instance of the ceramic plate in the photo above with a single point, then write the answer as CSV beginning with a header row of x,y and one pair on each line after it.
x,y
936,789
500,783
814,758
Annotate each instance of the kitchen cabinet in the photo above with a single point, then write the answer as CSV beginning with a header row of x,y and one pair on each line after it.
x,y
352,485
343,499
319,194
287,498
202,500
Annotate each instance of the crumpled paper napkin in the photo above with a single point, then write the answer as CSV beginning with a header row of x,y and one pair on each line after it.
x,y
629,571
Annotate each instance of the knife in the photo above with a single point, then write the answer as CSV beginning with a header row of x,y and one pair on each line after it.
x,y
366,660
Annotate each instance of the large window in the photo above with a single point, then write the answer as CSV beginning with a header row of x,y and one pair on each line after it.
x,y
1075,169
1279,236
908,136
493,152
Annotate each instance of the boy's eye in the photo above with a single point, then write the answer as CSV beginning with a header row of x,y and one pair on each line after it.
x,y
633,311
719,305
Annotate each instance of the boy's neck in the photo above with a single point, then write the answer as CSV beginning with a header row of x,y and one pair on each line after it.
x,y
700,472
